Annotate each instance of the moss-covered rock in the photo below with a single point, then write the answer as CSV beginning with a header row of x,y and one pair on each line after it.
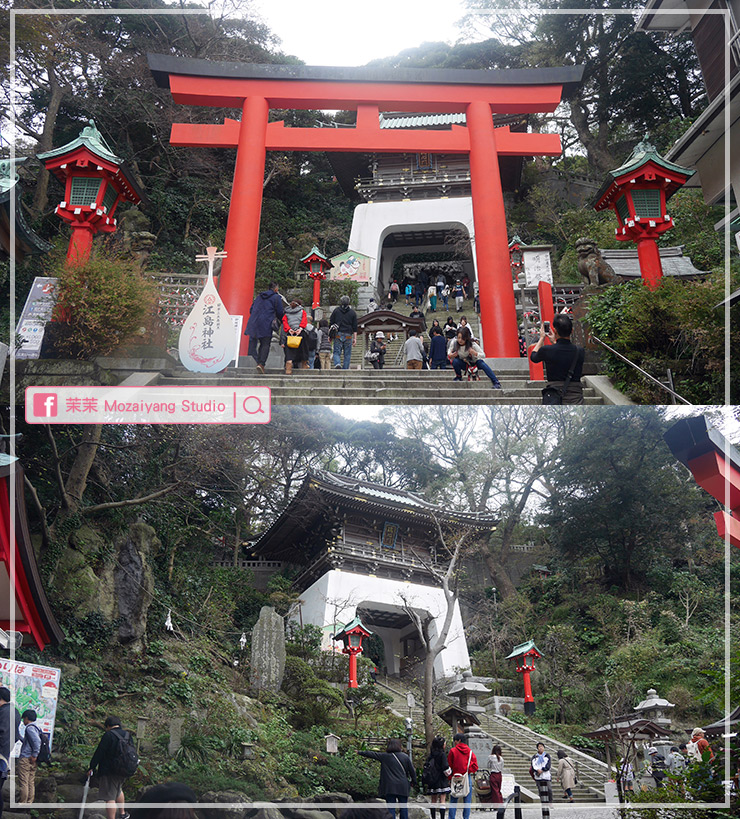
x,y
75,581
135,581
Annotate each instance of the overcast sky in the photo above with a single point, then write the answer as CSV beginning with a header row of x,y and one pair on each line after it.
x,y
347,32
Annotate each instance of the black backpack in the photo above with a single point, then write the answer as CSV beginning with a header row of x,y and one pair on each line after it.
x,y
313,338
429,773
126,760
44,755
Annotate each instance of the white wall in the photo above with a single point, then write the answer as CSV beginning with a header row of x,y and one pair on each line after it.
x,y
335,597
373,221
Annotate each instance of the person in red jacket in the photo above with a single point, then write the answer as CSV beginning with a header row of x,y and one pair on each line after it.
x,y
462,761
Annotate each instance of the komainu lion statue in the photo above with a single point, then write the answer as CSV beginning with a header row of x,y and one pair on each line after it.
x,y
592,266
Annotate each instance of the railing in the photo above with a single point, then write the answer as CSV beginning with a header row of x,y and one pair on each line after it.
x,y
420,178
641,371
593,767
343,550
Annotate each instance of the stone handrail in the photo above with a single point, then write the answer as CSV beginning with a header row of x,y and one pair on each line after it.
x,y
590,761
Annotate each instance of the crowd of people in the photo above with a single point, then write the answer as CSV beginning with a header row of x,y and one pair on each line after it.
x,y
329,344
449,778
440,346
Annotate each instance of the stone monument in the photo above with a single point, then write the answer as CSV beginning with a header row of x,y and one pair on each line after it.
x,y
268,651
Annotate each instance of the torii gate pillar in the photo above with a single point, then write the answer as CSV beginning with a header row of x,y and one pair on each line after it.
x,y
497,302
243,226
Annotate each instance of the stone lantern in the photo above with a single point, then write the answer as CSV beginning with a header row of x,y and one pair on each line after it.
x,y
317,265
656,709
95,183
352,636
638,192
516,256
525,654
469,693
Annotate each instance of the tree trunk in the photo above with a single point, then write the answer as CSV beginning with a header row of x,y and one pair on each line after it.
x,y
598,155
429,698
58,93
497,569
77,479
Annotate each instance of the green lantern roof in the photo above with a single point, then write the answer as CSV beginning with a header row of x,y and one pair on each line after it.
x,y
643,153
314,252
352,625
89,138
524,648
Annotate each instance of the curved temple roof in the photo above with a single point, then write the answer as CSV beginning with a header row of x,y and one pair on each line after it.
x,y
312,509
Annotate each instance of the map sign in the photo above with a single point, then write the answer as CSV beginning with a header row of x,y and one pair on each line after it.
x,y
350,265
36,687
36,313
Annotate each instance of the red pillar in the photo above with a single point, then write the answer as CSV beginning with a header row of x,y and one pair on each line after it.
x,y
651,269
352,670
497,303
536,371
544,297
316,293
80,245
547,313
528,698
236,284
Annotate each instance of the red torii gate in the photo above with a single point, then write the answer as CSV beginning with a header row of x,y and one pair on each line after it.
x,y
257,88
715,465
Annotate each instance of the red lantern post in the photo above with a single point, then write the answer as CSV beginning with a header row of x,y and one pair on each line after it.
x,y
525,655
352,636
317,265
638,192
95,183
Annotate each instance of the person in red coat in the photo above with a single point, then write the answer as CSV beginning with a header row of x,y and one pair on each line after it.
x,y
462,761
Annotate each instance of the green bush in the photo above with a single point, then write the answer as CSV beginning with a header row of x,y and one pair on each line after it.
x,y
102,303
675,326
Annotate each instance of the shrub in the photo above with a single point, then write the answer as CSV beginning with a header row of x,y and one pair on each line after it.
x,y
675,326
102,303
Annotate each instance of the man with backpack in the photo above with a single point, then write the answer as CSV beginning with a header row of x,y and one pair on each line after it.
x,y
9,721
28,757
115,760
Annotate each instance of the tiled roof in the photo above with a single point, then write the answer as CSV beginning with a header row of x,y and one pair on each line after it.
x,y
420,120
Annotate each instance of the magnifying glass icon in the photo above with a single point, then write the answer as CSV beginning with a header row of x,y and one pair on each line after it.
x,y
246,404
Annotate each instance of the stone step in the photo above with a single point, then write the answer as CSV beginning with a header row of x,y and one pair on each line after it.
x,y
517,758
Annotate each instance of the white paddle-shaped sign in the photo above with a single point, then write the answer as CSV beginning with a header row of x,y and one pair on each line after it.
x,y
207,336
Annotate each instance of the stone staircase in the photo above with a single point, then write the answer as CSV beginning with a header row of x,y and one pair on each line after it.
x,y
518,744
415,387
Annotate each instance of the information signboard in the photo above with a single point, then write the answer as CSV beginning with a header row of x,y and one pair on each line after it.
x,y
537,267
35,315
33,686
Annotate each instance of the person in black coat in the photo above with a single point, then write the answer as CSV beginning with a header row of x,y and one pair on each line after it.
x,y
396,774
436,776
103,763
10,720
267,307
559,357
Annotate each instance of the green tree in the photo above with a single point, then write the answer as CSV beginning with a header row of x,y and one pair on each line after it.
x,y
618,99
619,499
